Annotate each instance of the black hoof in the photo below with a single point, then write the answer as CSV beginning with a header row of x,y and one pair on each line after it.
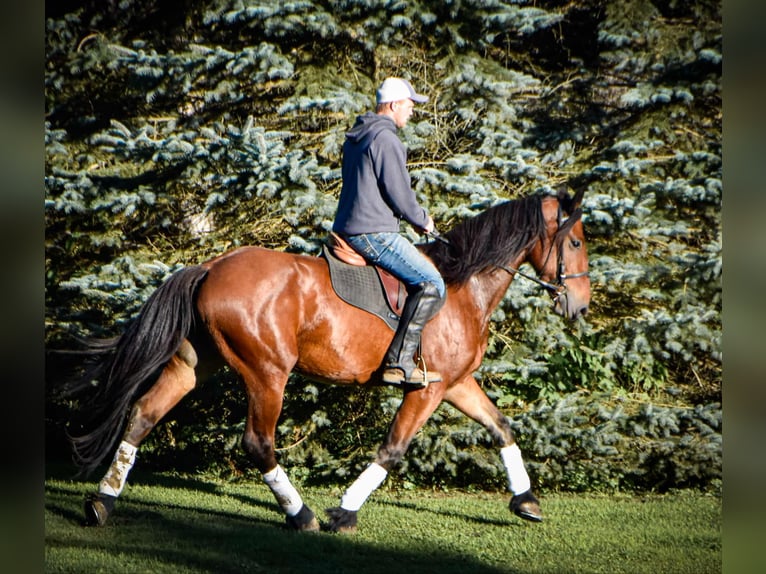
x,y
526,506
305,521
341,520
98,507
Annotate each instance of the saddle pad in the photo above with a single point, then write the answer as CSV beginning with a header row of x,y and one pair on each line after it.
x,y
360,286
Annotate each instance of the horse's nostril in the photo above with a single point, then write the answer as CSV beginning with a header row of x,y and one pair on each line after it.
x,y
584,311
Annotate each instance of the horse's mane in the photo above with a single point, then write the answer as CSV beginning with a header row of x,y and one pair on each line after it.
x,y
491,238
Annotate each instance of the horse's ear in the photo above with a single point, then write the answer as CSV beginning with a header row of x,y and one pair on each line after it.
x,y
570,204
577,199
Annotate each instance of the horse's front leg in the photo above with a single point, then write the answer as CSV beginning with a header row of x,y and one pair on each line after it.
x,y
414,411
468,397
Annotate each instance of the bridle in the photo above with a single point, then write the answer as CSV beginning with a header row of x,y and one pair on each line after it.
x,y
559,288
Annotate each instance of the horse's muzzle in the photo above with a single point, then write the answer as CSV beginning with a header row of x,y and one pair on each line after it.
x,y
569,307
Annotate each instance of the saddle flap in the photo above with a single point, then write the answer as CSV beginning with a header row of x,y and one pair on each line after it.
x,y
396,294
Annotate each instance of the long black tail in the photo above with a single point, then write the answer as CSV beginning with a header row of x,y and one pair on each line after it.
x,y
122,369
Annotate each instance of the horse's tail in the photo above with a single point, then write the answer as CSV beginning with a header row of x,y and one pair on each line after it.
x,y
124,368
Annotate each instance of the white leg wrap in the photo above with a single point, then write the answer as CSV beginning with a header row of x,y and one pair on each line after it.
x,y
518,479
115,478
285,493
357,493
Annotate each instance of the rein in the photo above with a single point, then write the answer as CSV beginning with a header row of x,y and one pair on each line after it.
x,y
559,288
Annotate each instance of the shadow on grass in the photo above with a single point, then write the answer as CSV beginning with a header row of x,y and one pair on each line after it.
x,y
148,478
163,537
511,522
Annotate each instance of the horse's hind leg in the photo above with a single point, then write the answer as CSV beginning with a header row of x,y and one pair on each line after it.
x,y
175,381
264,407
468,397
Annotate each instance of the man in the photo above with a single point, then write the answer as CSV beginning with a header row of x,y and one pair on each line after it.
x,y
375,197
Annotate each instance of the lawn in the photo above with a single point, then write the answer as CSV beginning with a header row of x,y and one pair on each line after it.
x,y
193,525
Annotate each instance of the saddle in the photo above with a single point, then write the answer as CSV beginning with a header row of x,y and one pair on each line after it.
x,y
362,285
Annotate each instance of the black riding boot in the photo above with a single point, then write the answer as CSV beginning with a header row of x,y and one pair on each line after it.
x,y
400,366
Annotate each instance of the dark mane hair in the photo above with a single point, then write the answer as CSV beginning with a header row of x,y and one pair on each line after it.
x,y
494,237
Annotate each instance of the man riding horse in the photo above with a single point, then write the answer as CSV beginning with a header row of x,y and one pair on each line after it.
x,y
375,197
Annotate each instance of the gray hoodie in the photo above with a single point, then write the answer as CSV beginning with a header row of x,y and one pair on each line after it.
x,y
376,191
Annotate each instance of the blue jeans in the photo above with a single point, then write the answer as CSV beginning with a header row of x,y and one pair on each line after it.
x,y
399,257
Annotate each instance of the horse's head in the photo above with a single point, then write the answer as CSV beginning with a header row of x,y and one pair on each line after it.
x,y
561,258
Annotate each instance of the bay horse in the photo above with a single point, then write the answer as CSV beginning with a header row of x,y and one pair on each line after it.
x,y
267,313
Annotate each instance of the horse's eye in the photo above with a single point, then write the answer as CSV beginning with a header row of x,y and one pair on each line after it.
x,y
576,243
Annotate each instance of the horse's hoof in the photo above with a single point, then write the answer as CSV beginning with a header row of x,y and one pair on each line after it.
x,y
341,520
304,521
526,506
98,507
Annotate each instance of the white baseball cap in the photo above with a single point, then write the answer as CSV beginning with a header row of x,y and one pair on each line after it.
x,y
395,89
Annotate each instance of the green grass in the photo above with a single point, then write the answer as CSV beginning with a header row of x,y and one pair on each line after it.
x,y
193,525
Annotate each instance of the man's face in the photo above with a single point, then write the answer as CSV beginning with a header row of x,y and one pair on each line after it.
x,y
402,111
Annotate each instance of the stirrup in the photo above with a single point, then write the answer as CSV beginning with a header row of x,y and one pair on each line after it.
x,y
422,376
